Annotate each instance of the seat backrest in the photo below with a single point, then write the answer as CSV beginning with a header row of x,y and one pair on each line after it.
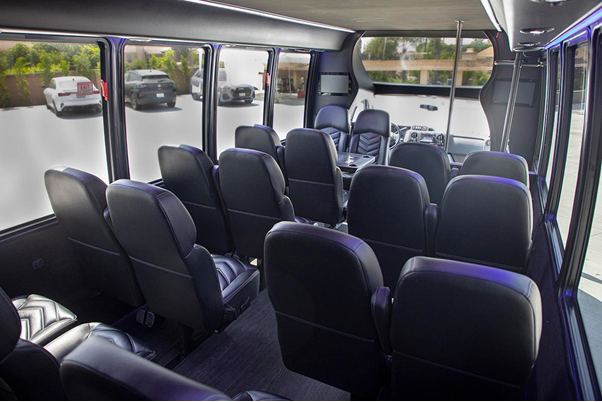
x,y
499,164
387,209
99,370
485,220
79,203
261,138
187,172
252,187
320,282
177,276
463,332
370,135
429,161
334,121
315,182
27,368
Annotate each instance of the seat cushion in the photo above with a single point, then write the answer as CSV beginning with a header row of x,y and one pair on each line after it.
x,y
258,396
42,319
66,343
238,281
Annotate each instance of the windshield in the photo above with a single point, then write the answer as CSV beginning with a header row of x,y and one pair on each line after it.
x,y
156,77
70,84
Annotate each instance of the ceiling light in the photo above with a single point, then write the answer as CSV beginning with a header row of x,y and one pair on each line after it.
x,y
267,15
536,31
491,14
552,3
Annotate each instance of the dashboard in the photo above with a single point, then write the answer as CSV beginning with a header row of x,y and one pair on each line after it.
x,y
424,135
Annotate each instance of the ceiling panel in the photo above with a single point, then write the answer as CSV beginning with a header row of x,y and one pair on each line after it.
x,y
379,14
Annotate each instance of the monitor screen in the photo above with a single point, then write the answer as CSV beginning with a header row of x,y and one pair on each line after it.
x,y
334,84
524,97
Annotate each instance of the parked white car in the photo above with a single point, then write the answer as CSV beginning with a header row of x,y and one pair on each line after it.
x,y
72,93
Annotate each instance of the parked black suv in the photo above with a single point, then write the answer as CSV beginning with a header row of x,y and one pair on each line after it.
x,y
146,87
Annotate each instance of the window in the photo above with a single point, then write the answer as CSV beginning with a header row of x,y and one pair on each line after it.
x,y
423,61
569,182
289,104
555,126
163,95
50,115
240,91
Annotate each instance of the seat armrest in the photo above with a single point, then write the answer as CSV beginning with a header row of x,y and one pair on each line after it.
x,y
430,218
381,315
454,172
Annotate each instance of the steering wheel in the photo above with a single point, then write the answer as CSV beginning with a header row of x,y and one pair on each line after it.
x,y
396,135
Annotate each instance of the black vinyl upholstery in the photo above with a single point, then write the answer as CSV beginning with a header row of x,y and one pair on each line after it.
x,y
386,209
496,164
252,187
31,370
42,319
261,138
79,203
463,332
325,330
178,277
97,370
429,161
485,220
499,164
315,181
370,135
187,172
334,121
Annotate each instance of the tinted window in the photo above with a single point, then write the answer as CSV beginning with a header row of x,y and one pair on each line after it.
x,y
569,182
39,129
289,104
165,107
554,129
240,93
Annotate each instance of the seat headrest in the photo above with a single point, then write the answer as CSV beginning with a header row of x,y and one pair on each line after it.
x,y
373,121
258,137
334,116
233,161
486,220
10,325
150,222
306,145
478,324
181,165
499,164
431,162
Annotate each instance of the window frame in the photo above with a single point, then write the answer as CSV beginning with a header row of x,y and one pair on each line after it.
x,y
105,51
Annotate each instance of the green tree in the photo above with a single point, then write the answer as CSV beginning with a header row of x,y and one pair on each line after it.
x,y
185,68
64,68
83,64
19,51
382,48
138,64
45,66
4,95
169,64
22,83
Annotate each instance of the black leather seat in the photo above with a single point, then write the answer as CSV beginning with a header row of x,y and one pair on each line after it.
x,y
499,164
31,371
463,332
325,329
79,203
187,172
179,278
389,208
315,182
429,161
261,138
253,187
42,319
97,370
370,135
334,121
485,220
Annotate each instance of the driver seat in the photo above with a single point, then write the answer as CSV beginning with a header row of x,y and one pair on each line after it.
x,y
370,135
